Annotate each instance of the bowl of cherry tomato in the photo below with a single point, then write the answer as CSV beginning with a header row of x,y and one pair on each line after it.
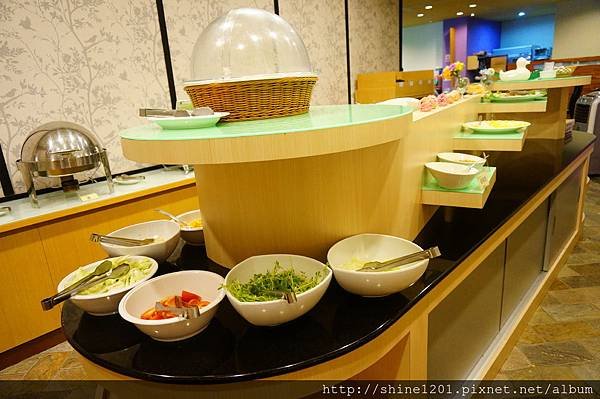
x,y
175,306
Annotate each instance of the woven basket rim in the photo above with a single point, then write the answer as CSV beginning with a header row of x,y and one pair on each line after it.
x,y
272,76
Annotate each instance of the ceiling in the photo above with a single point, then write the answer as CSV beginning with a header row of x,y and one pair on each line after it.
x,y
499,10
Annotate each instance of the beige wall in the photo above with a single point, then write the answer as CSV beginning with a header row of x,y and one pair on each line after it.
x,y
374,31
96,62
577,27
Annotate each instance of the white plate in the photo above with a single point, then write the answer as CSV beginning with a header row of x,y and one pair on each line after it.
x,y
188,122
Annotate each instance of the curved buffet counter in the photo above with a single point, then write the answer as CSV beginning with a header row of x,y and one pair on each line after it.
x,y
338,171
347,336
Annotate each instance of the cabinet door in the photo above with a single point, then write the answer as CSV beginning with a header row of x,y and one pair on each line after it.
x,y
524,259
562,221
464,324
25,282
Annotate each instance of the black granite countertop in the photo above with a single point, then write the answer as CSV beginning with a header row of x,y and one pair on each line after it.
x,y
232,350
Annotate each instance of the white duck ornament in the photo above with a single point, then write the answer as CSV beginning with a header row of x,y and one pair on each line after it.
x,y
521,73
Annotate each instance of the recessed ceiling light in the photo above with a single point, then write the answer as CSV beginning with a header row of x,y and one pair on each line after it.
x,y
460,13
472,14
472,5
428,7
420,15
521,13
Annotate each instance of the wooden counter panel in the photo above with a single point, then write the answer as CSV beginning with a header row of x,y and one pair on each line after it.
x,y
35,259
23,284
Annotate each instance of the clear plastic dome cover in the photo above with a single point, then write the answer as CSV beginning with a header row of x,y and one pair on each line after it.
x,y
248,43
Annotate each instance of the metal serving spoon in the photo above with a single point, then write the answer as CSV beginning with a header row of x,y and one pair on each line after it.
x,y
173,217
376,266
54,300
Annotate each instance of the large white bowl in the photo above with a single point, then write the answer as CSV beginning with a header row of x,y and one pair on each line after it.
x,y
107,303
462,159
144,296
192,236
160,251
451,175
374,247
272,313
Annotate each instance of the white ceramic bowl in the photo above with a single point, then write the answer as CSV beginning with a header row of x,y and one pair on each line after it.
x,y
548,74
276,312
160,251
374,247
451,175
192,236
462,159
107,303
144,296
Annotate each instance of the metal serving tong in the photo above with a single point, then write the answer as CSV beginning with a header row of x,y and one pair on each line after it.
x,y
126,242
169,113
179,310
102,272
4,210
430,253
289,296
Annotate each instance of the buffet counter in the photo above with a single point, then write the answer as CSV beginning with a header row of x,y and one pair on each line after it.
x,y
45,244
395,337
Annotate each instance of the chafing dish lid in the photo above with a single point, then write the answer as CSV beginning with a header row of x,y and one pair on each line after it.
x,y
56,140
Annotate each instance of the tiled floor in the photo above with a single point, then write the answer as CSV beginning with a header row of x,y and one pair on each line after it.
x,y
562,340
57,363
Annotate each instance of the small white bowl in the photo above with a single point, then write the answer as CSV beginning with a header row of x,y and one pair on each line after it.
x,y
462,159
160,251
107,303
272,313
144,296
374,247
451,175
548,74
192,236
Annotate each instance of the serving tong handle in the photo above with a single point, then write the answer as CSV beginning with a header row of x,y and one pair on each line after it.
x,y
289,296
179,310
126,242
49,303
429,253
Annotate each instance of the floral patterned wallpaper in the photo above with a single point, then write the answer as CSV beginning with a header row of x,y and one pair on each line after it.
x,y
321,26
374,33
93,62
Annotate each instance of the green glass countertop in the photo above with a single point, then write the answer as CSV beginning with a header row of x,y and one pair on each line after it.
x,y
489,136
319,117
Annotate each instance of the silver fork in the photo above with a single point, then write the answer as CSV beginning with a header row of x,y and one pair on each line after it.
x,y
126,242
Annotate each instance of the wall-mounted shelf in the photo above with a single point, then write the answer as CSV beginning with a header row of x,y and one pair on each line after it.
x,y
474,196
488,142
527,106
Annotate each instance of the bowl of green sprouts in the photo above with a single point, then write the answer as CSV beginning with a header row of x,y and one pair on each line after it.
x,y
255,286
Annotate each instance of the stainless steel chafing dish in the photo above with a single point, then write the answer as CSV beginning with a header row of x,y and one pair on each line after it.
x,y
61,149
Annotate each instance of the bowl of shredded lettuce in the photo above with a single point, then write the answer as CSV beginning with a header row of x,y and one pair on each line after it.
x,y
252,284
103,299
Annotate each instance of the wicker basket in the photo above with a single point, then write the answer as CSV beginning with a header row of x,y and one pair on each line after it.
x,y
255,99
